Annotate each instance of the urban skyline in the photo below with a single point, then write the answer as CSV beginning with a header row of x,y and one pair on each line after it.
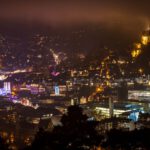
x,y
74,75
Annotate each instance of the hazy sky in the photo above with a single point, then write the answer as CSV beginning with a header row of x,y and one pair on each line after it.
x,y
127,13
107,22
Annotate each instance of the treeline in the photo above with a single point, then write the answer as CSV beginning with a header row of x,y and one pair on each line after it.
x,y
76,132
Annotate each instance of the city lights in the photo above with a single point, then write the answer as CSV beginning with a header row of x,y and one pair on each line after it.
x,y
74,75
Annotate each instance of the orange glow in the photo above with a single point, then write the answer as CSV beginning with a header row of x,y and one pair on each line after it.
x,y
138,45
99,89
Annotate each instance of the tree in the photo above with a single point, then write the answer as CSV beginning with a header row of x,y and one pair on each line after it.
x,y
128,140
3,145
75,133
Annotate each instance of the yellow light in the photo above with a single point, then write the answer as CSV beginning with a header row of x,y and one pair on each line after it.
x,y
140,70
138,52
108,83
99,89
107,75
13,93
135,53
145,40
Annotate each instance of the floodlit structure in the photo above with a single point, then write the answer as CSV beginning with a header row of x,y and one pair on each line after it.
x,y
139,95
6,89
145,39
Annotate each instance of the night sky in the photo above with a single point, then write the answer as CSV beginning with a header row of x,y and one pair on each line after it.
x,y
76,12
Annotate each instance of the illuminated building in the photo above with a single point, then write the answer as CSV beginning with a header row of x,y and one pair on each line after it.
x,y
57,90
3,77
33,89
83,100
145,39
139,95
6,89
119,109
79,73
72,102
106,111
137,49
136,53
99,89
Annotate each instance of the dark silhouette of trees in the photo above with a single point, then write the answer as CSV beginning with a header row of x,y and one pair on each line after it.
x,y
128,140
75,133
3,145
